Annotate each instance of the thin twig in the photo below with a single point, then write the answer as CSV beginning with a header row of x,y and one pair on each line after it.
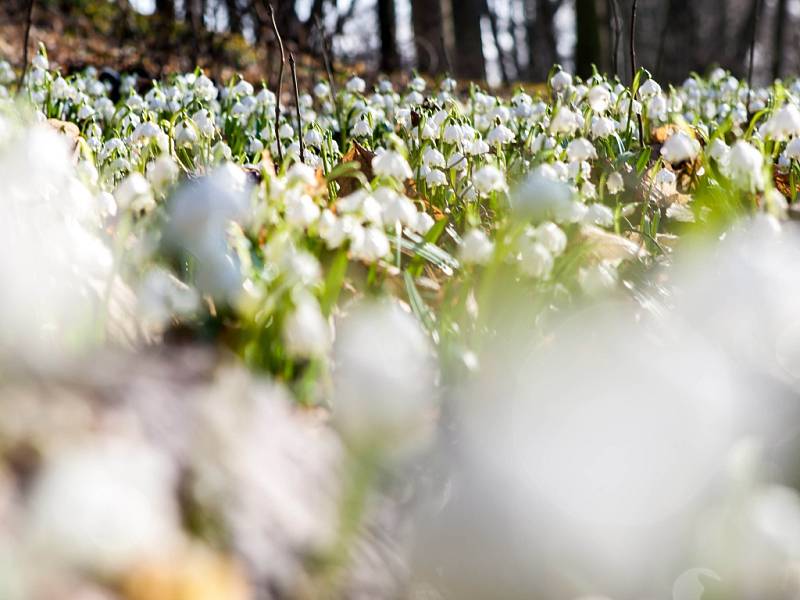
x,y
633,40
26,38
753,37
293,67
280,83
323,40
634,68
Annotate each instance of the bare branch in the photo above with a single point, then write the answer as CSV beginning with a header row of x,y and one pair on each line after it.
x,y
293,67
25,43
280,83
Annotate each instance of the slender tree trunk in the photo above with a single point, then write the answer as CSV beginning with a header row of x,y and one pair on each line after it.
x,y
165,9
540,24
387,22
781,16
469,44
428,35
587,49
234,16
677,61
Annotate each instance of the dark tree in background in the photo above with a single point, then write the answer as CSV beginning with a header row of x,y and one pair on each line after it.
x,y
587,48
429,37
541,30
469,60
387,21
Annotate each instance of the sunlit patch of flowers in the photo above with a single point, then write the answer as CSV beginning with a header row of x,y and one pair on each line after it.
x,y
365,251
413,191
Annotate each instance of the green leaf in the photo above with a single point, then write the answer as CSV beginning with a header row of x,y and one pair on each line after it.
x,y
421,310
334,282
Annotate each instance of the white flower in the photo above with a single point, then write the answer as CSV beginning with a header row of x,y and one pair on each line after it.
x,y
535,260
602,127
396,207
243,88
435,177
105,505
476,248
433,158
552,237
313,138
453,134
362,128
581,149
185,134
541,195
322,89
162,171
649,89
305,331
477,147
370,245
719,150
301,210
383,377
561,81
145,132
746,166
793,149
392,164
489,179
356,85
424,223
679,148
285,131
599,98
202,119
615,184
301,173
333,230
134,193
783,124
565,121
500,135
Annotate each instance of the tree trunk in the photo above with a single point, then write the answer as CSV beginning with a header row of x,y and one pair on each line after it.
x,y
429,35
781,16
587,48
677,60
469,45
234,16
165,9
387,22
540,25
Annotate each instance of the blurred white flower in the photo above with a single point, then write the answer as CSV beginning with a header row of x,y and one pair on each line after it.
x,y
615,183
390,163
679,148
475,248
383,377
105,505
306,332
489,179
745,166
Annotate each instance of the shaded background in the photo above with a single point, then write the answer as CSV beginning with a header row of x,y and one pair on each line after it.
x,y
501,41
